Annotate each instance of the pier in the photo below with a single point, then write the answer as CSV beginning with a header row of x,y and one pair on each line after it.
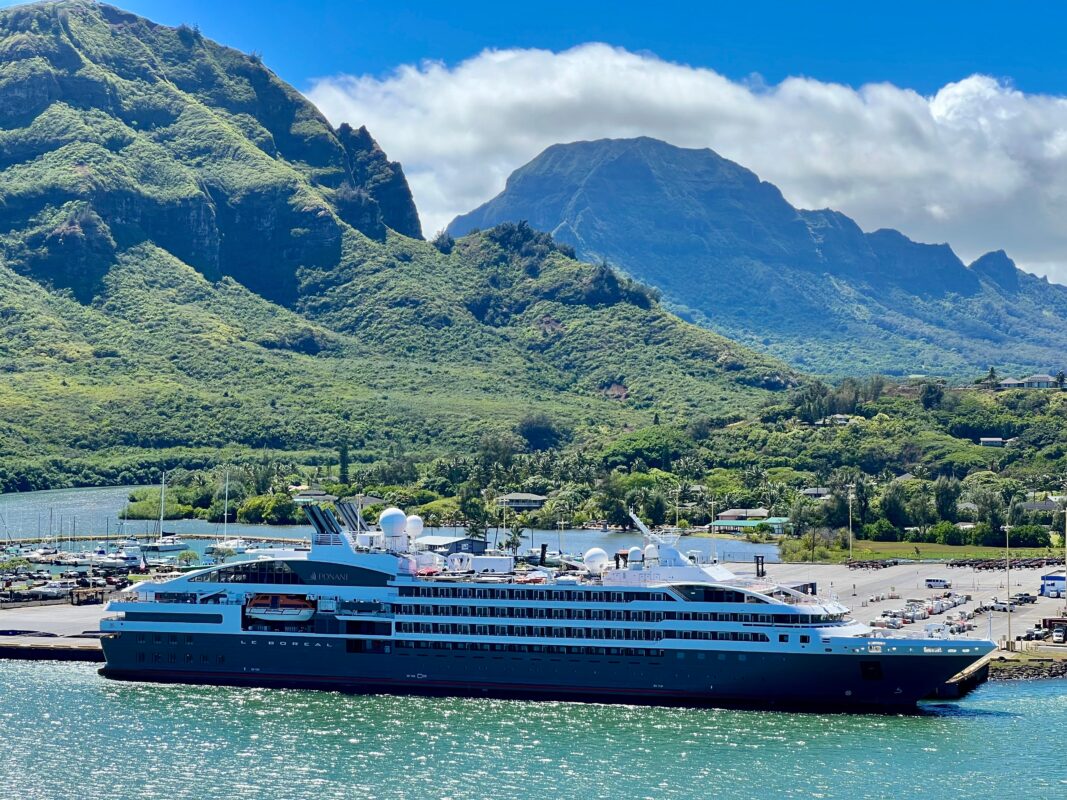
x,y
21,541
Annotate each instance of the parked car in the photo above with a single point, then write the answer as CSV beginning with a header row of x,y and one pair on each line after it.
x,y
1059,636
1003,605
1023,597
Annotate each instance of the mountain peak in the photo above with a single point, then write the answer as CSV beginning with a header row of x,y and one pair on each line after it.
x,y
728,250
997,267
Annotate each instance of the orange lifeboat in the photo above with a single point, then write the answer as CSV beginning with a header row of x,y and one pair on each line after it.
x,y
280,608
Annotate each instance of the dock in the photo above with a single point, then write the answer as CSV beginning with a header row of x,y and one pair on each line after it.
x,y
51,648
140,537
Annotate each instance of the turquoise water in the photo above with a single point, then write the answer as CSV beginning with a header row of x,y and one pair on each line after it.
x,y
65,732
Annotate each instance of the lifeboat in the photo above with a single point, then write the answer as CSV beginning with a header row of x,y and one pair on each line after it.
x,y
280,608
537,576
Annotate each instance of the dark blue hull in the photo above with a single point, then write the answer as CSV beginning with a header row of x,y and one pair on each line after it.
x,y
667,677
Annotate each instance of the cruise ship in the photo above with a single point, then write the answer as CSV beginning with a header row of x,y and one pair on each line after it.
x,y
365,611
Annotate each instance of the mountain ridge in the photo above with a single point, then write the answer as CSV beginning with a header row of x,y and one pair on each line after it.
x,y
724,245
194,263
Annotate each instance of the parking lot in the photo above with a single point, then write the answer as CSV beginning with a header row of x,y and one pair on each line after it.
x,y
855,588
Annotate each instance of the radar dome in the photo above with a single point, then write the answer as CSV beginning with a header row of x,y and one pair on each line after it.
x,y
651,553
596,560
414,526
392,521
635,554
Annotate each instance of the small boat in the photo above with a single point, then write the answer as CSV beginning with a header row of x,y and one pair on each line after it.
x,y
280,608
237,545
168,543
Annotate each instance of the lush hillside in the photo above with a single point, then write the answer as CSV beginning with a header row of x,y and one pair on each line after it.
x,y
194,262
728,251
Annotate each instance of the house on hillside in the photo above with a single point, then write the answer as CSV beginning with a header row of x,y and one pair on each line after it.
x,y
1011,383
522,501
835,419
1039,381
758,514
991,441
816,492
1040,506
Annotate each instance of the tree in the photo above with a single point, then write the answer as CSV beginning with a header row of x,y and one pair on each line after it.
x,y
342,473
990,509
894,505
931,395
1061,379
920,512
947,491
187,557
991,376
539,431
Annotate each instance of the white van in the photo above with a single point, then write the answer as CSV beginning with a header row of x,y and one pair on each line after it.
x,y
938,583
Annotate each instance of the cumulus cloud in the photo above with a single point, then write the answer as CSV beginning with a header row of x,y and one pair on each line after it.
x,y
979,164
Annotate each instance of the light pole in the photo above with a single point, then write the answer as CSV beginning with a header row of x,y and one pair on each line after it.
x,y
1007,570
851,486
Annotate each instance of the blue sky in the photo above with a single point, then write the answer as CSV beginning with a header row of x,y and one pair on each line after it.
x,y
919,45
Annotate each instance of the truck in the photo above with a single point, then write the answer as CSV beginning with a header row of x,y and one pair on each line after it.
x,y
938,583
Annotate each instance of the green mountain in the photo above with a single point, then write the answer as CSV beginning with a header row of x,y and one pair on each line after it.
x,y
194,264
729,252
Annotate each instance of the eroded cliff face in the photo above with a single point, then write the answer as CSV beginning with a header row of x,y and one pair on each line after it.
x,y
118,131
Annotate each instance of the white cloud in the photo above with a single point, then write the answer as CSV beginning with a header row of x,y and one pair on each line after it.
x,y
979,164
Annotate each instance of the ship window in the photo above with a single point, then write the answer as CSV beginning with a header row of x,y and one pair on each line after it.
x,y
805,639
783,637
265,571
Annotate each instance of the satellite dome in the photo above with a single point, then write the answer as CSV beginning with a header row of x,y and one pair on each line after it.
x,y
635,554
392,521
414,526
596,560
651,553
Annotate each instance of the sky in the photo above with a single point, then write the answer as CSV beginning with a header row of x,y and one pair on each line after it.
x,y
946,120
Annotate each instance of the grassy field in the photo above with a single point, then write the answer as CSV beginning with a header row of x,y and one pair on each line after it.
x,y
875,550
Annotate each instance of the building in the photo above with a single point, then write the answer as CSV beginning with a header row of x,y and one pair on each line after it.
x,y
1054,584
744,513
835,419
991,441
1042,506
778,525
447,545
816,492
313,496
522,501
1039,382
1011,383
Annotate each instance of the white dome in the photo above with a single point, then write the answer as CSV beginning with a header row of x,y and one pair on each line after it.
x,y
392,521
595,559
651,553
635,554
414,526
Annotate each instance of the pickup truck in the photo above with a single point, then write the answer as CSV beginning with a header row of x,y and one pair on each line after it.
x,y
1023,597
1003,605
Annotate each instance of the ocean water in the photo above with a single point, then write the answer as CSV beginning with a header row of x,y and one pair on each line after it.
x,y
65,732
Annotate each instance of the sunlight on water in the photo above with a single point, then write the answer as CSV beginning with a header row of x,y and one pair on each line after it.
x,y
69,733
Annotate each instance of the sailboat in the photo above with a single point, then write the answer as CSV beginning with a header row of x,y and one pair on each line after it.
x,y
163,543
